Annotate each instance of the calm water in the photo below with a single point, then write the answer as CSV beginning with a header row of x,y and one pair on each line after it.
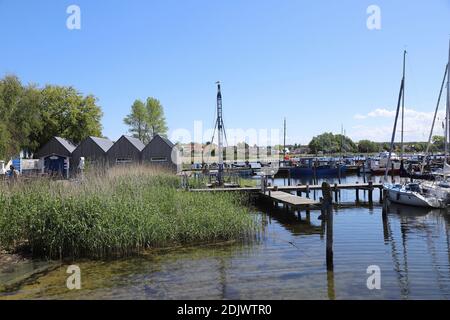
x,y
411,246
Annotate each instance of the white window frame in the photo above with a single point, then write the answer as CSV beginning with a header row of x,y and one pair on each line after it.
x,y
158,159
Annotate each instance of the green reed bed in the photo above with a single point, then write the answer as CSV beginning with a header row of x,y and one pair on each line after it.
x,y
120,213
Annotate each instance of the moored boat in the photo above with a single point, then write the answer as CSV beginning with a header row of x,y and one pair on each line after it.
x,y
379,164
413,194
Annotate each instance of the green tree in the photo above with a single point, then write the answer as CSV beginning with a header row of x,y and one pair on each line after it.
x,y
438,143
330,143
367,146
30,116
146,120
156,120
137,120
66,113
4,141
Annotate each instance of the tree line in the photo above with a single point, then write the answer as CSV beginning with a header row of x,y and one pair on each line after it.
x,y
330,143
30,115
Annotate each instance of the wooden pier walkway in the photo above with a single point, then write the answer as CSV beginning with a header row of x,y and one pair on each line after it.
x,y
284,191
300,188
289,199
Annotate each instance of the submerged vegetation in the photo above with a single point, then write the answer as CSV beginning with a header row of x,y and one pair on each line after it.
x,y
122,212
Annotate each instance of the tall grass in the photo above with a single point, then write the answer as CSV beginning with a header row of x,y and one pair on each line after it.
x,y
120,212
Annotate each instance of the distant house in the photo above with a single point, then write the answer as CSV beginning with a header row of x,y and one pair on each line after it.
x,y
94,150
55,156
160,151
126,150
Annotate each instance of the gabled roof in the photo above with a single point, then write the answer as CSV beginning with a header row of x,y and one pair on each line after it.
x,y
103,143
165,140
135,142
66,144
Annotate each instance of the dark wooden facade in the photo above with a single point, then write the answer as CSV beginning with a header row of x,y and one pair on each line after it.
x,y
160,151
94,150
56,146
126,150
56,156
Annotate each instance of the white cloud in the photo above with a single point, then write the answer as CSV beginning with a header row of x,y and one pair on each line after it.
x,y
383,113
377,125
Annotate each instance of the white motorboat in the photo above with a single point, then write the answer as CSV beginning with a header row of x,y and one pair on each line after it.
x,y
413,194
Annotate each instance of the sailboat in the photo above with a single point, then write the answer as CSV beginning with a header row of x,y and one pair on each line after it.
x,y
411,193
441,187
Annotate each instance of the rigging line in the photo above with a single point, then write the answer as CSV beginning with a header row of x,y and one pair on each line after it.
x,y
393,132
214,132
212,140
434,119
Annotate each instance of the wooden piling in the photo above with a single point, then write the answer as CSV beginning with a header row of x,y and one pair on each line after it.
x,y
339,173
381,195
357,195
289,177
392,173
336,193
370,193
364,171
327,213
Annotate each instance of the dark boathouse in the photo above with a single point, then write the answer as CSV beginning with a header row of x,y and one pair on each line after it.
x,y
56,157
94,150
161,152
126,150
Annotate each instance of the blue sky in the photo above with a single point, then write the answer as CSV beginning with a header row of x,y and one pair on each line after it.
x,y
313,62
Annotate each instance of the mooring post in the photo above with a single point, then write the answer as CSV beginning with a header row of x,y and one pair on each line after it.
x,y
370,193
339,173
315,172
307,191
328,215
364,171
381,194
392,173
289,178
357,195
336,193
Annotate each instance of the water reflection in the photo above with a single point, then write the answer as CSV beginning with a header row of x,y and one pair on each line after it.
x,y
415,221
410,245
292,222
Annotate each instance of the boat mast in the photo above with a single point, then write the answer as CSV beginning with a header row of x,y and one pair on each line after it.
x,y
395,129
284,141
220,128
448,108
402,150
430,137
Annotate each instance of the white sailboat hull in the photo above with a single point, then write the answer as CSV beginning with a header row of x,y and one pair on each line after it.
x,y
410,198
407,199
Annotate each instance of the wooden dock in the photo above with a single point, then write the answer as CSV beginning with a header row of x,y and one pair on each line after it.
x,y
306,189
301,188
289,199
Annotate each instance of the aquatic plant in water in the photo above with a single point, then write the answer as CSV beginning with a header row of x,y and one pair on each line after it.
x,y
118,213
